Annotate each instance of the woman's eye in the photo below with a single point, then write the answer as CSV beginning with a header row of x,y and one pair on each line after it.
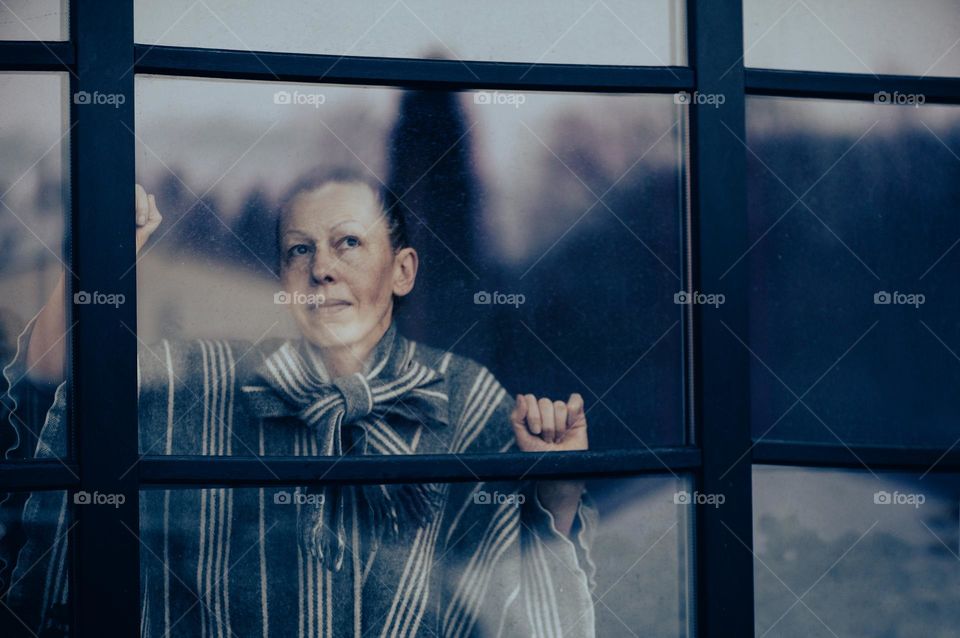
x,y
298,250
350,241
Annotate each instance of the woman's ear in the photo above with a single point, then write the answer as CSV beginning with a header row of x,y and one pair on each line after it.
x,y
405,264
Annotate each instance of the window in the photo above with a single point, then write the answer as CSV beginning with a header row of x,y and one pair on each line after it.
x,y
850,265
499,197
35,185
35,20
884,37
615,32
740,254
884,542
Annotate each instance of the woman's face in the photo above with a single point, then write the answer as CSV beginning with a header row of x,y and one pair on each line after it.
x,y
338,267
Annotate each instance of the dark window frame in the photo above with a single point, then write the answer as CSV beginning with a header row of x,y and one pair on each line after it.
x,y
101,56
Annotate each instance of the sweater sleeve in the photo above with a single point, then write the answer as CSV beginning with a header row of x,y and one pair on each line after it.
x,y
34,412
35,526
510,571
34,529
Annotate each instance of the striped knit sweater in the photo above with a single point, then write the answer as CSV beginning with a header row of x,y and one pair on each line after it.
x,y
222,562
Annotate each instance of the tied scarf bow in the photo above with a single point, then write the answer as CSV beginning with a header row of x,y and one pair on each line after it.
x,y
376,412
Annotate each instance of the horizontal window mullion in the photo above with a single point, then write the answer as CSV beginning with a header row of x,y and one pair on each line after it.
x,y
36,56
419,73
856,456
203,470
855,86
38,475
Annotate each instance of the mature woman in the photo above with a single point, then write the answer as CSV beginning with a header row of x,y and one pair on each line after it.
x,y
484,559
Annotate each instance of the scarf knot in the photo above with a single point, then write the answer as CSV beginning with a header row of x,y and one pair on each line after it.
x,y
377,411
356,396
342,401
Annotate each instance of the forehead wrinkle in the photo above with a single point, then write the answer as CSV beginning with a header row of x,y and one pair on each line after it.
x,y
364,229
343,205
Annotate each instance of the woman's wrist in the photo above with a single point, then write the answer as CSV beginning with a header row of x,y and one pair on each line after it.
x,y
561,498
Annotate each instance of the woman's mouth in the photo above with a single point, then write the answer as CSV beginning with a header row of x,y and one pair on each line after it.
x,y
329,306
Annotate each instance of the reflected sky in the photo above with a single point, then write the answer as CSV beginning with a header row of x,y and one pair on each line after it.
x,y
223,119
581,31
34,20
854,36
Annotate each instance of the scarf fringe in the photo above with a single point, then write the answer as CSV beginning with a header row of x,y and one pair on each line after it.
x,y
391,509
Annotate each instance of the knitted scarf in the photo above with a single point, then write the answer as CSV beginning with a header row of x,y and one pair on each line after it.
x,y
377,411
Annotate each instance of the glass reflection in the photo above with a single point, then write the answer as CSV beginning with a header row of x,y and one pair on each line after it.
x,y
852,274
34,192
34,20
855,553
34,566
857,36
579,32
498,198
490,563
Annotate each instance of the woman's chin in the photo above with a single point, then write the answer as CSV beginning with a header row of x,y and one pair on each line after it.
x,y
333,330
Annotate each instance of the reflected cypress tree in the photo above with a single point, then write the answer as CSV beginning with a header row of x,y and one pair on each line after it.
x,y
432,174
190,224
174,201
256,229
51,191
8,244
206,232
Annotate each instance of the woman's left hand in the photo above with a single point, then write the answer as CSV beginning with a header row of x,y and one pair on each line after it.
x,y
542,425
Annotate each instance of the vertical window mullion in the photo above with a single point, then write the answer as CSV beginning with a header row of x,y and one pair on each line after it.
x,y
105,559
724,590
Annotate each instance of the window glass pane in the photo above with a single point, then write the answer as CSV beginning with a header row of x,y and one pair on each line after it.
x,y
34,193
853,265
486,558
548,229
34,566
855,36
648,33
844,553
34,20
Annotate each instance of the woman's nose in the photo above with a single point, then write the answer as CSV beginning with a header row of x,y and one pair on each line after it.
x,y
322,270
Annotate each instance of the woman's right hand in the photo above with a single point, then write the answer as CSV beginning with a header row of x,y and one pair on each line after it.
x,y
148,216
